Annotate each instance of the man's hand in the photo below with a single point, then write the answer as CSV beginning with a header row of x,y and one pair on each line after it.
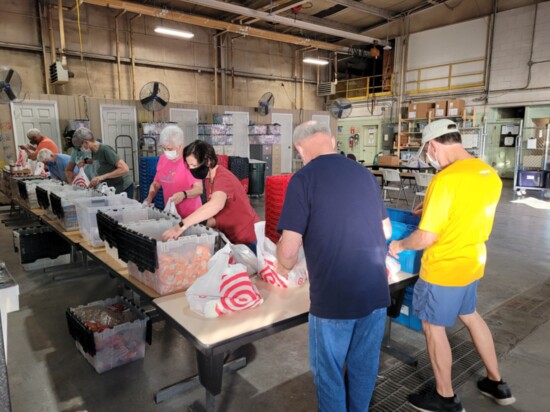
x,y
95,181
281,270
396,248
417,211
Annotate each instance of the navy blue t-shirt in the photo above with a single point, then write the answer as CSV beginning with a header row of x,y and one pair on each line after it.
x,y
335,204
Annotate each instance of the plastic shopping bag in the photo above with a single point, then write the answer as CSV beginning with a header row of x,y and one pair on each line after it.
x,y
267,251
22,158
39,170
170,208
81,179
106,190
243,255
225,288
392,267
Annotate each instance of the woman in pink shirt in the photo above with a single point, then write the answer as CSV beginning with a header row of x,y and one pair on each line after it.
x,y
174,176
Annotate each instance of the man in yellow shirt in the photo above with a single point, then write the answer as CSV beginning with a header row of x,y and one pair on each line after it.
x,y
457,219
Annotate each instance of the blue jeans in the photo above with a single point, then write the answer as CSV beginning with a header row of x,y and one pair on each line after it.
x,y
353,344
129,191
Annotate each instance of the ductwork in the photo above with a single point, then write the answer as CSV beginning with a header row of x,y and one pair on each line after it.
x,y
225,26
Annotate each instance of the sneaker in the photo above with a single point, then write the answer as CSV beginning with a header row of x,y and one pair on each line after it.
x,y
433,402
499,391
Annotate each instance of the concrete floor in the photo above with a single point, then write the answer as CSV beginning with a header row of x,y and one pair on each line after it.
x,y
46,373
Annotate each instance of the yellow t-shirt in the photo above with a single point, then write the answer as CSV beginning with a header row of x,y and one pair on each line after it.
x,y
459,208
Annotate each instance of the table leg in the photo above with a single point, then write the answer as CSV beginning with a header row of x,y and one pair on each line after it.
x,y
196,380
393,349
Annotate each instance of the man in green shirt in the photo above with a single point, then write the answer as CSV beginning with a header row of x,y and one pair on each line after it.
x,y
111,169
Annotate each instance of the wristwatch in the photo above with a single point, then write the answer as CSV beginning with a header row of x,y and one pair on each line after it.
x,y
184,194
181,224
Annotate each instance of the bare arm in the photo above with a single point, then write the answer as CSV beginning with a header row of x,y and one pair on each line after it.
x,y
205,212
287,251
153,190
418,240
195,191
121,169
386,225
69,172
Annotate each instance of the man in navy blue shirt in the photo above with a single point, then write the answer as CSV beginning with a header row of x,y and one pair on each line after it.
x,y
334,208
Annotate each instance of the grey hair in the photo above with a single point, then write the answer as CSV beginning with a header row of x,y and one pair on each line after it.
x,y
171,134
44,154
33,133
83,134
308,129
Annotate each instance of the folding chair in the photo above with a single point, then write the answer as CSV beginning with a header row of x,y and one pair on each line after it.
x,y
393,183
422,182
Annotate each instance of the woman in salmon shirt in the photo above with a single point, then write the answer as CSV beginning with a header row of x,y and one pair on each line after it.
x,y
174,176
227,208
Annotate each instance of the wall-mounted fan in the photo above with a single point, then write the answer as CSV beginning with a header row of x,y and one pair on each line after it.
x,y
10,84
340,108
154,96
265,104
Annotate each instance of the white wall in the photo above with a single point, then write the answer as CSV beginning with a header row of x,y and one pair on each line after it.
x,y
511,52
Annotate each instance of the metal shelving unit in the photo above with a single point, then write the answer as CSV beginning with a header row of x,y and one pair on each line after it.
x,y
532,160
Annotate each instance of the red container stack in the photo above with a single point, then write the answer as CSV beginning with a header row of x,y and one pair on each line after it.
x,y
223,160
275,191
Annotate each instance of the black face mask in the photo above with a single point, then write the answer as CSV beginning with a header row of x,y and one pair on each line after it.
x,y
200,172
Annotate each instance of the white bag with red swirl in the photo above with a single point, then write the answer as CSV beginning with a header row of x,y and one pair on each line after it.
x,y
266,251
225,288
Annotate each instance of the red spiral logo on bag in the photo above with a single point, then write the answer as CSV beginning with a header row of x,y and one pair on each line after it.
x,y
80,181
269,275
238,293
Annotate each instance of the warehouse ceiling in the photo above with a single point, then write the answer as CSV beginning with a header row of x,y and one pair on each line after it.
x,y
343,26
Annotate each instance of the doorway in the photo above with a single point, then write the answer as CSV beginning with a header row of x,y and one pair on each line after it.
x,y
285,120
41,115
187,120
121,121
370,140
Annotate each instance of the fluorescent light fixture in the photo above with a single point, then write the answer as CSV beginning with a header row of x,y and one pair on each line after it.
x,y
313,60
176,33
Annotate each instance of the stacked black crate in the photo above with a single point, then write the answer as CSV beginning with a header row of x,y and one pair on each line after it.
x,y
262,137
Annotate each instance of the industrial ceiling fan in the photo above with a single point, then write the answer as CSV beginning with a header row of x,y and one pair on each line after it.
x,y
154,96
10,84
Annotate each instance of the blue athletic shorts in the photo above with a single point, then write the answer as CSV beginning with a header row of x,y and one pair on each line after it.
x,y
441,305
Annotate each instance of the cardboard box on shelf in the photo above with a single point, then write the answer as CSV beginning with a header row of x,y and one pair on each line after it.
x,y
441,108
419,110
388,161
455,107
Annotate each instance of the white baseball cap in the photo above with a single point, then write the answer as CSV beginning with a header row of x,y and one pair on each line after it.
x,y
434,130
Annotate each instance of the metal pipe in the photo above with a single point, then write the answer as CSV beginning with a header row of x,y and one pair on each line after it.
x,y
45,63
118,54
52,38
489,49
245,11
61,33
133,57
216,24
215,64
302,97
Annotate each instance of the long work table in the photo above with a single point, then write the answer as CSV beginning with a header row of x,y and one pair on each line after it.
x,y
213,339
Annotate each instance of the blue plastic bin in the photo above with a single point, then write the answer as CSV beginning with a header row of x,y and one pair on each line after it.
x,y
406,317
403,216
409,259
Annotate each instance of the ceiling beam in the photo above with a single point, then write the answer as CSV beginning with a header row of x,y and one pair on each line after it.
x,y
240,10
217,24
357,5
279,11
326,22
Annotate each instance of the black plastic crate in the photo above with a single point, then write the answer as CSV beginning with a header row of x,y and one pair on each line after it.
x,y
57,207
85,336
40,242
138,248
43,197
107,228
